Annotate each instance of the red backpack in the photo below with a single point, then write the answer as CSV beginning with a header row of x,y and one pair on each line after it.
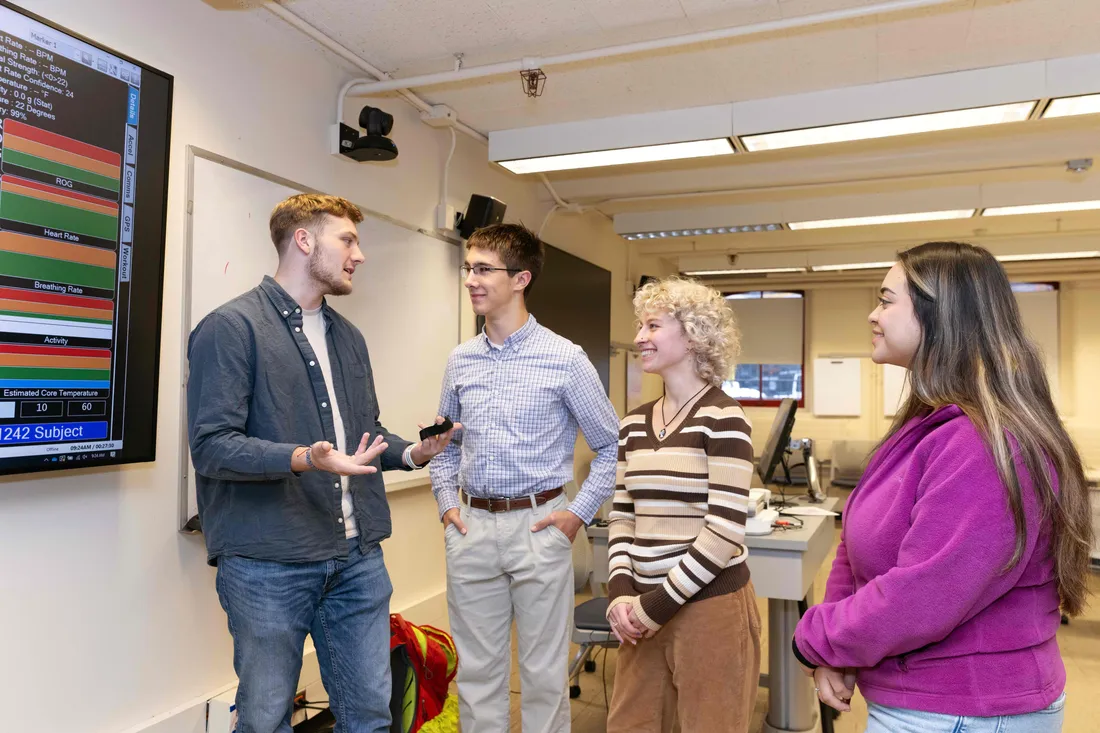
x,y
424,662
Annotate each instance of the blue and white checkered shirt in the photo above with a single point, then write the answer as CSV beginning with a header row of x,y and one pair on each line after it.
x,y
520,406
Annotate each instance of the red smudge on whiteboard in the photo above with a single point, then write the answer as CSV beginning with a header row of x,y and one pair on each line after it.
x,y
226,270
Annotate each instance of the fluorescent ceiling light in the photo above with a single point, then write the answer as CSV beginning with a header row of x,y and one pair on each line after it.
x,y
736,229
853,266
1042,208
1049,256
872,129
751,271
887,219
1087,104
622,156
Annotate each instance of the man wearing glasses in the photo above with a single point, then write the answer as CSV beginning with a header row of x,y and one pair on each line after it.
x,y
521,392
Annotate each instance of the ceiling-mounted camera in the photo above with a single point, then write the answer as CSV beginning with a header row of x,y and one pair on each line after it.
x,y
372,146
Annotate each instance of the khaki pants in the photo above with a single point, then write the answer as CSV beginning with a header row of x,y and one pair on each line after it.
x,y
498,572
707,658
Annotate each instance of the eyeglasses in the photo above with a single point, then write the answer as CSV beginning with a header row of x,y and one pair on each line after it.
x,y
483,270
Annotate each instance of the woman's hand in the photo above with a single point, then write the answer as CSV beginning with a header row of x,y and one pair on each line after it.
x,y
623,625
647,632
835,687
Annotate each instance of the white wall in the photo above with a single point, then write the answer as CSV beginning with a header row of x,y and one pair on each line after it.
x,y
111,615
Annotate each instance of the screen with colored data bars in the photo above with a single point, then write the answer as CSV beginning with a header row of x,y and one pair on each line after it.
x,y
81,248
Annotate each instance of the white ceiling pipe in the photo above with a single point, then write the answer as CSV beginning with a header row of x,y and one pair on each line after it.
x,y
354,60
370,86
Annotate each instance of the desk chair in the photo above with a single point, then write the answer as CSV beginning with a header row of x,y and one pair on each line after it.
x,y
592,631
848,461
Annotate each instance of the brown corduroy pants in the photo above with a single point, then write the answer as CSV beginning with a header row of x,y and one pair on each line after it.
x,y
706,660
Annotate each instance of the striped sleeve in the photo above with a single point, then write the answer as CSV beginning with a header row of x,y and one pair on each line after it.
x,y
721,543
621,525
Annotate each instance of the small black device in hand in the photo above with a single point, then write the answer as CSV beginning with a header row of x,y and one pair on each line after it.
x,y
433,430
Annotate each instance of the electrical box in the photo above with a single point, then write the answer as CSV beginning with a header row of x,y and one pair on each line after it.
x,y
440,115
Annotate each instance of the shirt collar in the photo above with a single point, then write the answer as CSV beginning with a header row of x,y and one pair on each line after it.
x,y
516,338
281,299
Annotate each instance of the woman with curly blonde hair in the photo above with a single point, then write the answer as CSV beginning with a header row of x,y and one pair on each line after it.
x,y
681,602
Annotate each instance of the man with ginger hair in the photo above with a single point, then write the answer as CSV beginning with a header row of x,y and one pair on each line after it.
x,y
288,450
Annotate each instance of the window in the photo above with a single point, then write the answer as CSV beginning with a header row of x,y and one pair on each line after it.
x,y
771,364
1034,287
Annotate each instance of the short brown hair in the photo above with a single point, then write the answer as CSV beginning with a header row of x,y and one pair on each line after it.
x,y
307,210
516,245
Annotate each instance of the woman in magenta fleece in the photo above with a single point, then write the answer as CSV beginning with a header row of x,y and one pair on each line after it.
x,y
969,532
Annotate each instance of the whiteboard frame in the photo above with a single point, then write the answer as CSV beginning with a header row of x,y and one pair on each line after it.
x,y
194,152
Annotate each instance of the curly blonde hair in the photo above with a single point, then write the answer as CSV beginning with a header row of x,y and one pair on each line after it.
x,y
706,318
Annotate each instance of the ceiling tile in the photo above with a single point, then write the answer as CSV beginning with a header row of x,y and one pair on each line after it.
x,y
625,13
926,43
550,21
795,8
705,15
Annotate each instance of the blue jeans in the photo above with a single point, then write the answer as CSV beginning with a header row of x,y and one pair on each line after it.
x,y
881,719
343,604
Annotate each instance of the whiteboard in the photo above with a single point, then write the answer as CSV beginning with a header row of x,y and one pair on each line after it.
x,y
837,388
406,299
895,389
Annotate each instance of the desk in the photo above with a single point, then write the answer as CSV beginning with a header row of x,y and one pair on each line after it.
x,y
783,566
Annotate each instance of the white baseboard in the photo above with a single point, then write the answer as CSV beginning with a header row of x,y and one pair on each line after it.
x,y
190,717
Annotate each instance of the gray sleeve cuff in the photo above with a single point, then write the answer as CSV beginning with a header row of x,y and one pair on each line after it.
x,y
277,458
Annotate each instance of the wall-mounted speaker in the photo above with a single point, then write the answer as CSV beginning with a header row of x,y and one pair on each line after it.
x,y
481,212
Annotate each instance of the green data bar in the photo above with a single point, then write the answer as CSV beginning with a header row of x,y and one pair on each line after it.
x,y
76,375
55,317
48,214
60,170
59,271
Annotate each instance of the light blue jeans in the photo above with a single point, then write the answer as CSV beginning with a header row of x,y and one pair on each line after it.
x,y
343,604
881,719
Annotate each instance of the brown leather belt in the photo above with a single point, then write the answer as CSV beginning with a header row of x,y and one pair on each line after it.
x,y
506,505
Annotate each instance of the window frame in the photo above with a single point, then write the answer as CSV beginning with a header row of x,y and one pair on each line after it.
x,y
1036,286
760,367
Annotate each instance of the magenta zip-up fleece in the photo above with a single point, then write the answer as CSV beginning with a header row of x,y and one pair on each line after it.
x,y
917,599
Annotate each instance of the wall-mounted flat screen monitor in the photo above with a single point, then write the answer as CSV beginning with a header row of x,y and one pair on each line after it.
x,y
83,186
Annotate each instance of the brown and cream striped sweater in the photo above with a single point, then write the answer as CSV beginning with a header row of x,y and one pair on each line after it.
x,y
677,531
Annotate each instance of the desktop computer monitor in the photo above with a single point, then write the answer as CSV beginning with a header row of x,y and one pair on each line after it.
x,y
778,440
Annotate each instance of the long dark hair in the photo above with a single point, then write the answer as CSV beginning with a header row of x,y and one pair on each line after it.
x,y
974,353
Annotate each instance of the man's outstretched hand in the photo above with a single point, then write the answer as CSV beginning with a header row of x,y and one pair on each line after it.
x,y
325,457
